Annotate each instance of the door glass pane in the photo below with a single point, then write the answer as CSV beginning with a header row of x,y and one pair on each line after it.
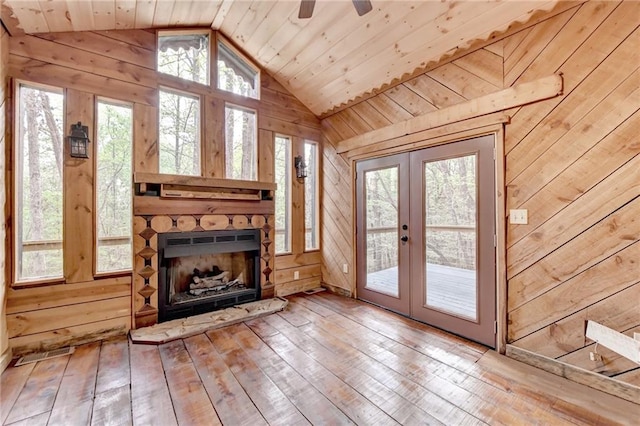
x,y
450,235
381,230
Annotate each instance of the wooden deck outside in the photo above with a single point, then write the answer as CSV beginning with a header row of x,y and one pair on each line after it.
x,y
449,289
324,360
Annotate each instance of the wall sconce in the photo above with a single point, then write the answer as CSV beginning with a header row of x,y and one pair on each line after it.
x,y
78,140
301,168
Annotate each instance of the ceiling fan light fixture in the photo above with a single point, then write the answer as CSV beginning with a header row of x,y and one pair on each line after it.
x,y
362,6
306,7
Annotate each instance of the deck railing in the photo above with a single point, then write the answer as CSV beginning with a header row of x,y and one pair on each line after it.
x,y
382,250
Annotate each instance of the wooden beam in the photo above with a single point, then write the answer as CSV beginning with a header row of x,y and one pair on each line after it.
x,y
614,340
576,374
518,95
78,193
451,132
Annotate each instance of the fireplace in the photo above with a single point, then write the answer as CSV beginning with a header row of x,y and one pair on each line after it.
x,y
204,271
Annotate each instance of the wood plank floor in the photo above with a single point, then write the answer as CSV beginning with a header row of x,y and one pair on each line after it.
x,y
326,359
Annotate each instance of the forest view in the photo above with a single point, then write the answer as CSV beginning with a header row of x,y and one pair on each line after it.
x,y
311,220
40,165
39,192
39,171
282,173
114,146
449,214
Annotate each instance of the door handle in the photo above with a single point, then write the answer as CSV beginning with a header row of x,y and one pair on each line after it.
x,y
404,238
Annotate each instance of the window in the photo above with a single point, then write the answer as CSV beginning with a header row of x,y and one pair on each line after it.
x,y
311,201
240,143
283,193
114,142
184,55
235,73
179,133
38,192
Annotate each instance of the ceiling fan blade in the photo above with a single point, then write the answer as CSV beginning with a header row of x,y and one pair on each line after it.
x,y
362,6
306,9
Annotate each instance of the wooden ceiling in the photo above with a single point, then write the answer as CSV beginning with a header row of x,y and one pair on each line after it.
x,y
326,61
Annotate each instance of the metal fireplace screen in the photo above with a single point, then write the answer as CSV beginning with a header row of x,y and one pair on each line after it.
x,y
205,271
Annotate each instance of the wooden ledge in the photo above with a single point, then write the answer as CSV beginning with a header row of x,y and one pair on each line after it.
x,y
199,181
178,186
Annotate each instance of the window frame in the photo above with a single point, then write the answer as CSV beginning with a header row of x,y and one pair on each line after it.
x,y
16,219
316,189
200,127
212,71
288,194
219,38
96,238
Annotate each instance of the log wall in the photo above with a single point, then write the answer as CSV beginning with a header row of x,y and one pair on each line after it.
x,y
572,161
5,353
121,65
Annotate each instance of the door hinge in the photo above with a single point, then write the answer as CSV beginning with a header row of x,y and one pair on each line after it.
x,y
495,240
495,327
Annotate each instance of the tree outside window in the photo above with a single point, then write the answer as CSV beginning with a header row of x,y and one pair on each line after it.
x,y
114,145
179,133
283,193
184,55
241,161
235,73
39,171
311,200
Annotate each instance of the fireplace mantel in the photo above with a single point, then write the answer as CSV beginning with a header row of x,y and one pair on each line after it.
x,y
179,186
170,203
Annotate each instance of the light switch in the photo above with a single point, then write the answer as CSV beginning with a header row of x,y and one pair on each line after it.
x,y
518,216
296,275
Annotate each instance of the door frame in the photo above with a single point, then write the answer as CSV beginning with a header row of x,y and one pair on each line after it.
x,y
496,129
394,303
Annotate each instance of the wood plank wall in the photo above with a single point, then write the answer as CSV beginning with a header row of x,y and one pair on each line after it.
x,y
572,161
5,353
121,65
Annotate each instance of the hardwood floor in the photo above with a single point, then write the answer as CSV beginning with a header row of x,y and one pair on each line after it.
x,y
324,360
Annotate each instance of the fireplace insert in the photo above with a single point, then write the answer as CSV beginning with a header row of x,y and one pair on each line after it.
x,y
204,271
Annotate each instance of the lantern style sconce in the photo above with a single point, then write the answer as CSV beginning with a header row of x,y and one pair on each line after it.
x,y
78,140
301,168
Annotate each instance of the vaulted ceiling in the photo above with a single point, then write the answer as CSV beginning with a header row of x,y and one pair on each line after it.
x,y
326,61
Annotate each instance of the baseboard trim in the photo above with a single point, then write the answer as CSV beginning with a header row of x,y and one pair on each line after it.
x,y
576,374
5,359
337,290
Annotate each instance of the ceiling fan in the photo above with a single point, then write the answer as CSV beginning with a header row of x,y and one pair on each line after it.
x,y
306,7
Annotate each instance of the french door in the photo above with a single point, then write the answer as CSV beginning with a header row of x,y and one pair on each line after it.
x,y
425,236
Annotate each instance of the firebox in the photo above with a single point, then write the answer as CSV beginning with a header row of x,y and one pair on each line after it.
x,y
204,271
